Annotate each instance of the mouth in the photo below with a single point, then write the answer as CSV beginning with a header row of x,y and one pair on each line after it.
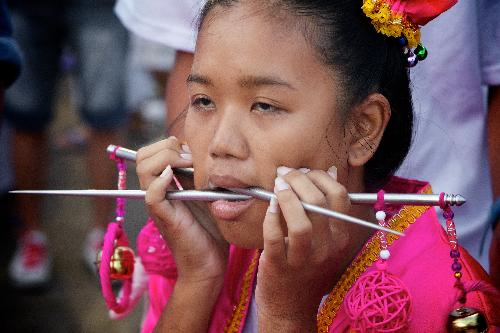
x,y
224,209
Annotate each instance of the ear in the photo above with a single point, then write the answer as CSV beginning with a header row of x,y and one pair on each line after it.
x,y
367,123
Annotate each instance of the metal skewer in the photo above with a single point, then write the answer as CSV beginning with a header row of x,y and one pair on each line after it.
x,y
238,194
186,195
131,155
356,198
192,195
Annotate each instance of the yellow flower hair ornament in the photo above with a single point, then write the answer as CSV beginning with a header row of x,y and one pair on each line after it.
x,y
402,19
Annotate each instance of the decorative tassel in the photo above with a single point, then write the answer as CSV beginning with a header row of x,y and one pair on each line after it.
x,y
379,301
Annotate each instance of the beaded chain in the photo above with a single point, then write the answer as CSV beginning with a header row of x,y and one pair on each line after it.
x,y
451,231
381,218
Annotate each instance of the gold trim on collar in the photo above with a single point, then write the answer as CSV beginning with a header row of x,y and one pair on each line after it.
x,y
370,253
236,319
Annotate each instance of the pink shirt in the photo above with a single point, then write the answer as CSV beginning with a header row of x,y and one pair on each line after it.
x,y
421,260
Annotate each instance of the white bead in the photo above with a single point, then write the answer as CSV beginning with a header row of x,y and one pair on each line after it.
x,y
380,215
385,254
151,249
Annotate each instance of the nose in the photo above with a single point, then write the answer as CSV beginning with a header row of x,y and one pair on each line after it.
x,y
229,139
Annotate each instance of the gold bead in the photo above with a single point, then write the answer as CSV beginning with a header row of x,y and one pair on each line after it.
x,y
458,275
121,265
466,320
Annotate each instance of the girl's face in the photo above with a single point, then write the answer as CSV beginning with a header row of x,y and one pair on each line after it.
x,y
259,98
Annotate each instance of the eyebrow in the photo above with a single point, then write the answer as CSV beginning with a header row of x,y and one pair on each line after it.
x,y
258,81
196,78
246,82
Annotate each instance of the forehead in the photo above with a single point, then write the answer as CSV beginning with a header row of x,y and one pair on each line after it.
x,y
246,38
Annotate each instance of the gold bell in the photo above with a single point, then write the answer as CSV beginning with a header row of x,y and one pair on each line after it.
x,y
122,263
466,320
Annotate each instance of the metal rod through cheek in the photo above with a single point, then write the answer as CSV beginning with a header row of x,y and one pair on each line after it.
x,y
356,198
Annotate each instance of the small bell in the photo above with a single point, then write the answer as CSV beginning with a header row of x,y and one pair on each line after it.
x,y
411,59
466,320
122,263
421,52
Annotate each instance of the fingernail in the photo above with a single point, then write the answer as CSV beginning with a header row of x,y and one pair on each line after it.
x,y
186,148
333,172
186,156
305,170
167,172
280,185
283,170
273,206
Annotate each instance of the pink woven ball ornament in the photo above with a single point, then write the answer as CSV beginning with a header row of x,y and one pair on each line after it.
x,y
378,302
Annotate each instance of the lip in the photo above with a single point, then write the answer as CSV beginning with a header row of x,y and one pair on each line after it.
x,y
223,209
226,181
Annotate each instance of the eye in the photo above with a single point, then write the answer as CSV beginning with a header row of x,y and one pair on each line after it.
x,y
265,108
202,103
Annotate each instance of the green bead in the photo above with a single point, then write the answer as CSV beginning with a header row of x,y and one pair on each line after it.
x,y
421,52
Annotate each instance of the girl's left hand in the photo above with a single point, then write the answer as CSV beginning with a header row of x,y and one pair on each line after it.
x,y
298,269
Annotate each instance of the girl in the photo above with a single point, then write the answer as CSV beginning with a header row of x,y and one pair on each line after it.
x,y
306,99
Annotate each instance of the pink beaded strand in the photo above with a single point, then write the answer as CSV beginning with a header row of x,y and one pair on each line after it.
x,y
379,301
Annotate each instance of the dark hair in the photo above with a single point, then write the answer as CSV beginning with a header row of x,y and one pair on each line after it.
x,y
366,62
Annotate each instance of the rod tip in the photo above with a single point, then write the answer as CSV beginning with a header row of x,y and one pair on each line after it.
x,y
460,200
111,149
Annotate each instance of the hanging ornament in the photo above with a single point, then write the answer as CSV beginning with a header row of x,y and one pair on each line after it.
x,y
379,301
462,319
466,320
121,264
421,52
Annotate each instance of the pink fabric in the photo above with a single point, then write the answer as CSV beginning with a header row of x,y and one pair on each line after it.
x,y
422,11
154,252
425,246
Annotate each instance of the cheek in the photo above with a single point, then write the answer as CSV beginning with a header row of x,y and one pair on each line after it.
x,y
196,138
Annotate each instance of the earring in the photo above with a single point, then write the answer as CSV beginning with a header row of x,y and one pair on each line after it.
x,y
379,301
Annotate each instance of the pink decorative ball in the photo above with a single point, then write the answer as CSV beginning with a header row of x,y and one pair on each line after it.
x,y
378,302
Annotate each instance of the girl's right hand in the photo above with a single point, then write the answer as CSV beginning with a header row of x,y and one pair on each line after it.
x,y
198,256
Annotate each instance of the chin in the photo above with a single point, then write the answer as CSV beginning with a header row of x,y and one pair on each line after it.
x,y
243,234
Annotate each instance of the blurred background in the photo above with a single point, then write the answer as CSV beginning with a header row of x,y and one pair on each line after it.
x,y
60,74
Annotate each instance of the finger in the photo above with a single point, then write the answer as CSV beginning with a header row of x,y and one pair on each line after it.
x,y
152,149
336,194
305,189
149,168
158,206
298,224
274,241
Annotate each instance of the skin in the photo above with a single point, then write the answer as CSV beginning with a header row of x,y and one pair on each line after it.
x,y
253,109
176,92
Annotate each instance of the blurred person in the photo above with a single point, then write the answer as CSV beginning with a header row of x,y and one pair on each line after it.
x,y
10,57
170,23
491,37
10,65
148,67
456,127
99,43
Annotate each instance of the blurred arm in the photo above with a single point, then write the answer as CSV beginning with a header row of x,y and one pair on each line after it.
x,y
177,94
494,159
